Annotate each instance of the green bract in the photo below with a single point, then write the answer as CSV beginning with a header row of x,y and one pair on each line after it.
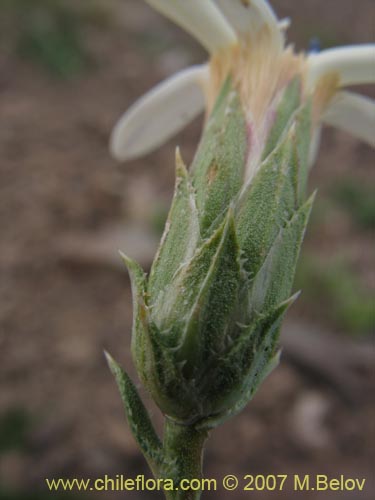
x,y
207,318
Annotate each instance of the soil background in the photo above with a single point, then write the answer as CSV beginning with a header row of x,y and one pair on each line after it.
x,y
66,208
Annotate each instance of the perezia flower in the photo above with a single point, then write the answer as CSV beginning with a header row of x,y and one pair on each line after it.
x,y
245,38
207,317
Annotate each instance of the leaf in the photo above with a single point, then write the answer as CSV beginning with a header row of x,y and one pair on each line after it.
x,y
218,167
180,236
137,416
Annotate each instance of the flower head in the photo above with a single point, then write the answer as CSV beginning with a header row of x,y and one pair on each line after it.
x,y
207,317
245,40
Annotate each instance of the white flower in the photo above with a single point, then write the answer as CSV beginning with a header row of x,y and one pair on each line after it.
x,y
245,39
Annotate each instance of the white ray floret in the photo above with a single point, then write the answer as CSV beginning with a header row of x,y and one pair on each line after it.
x,y
354,114
219,24
248,17
201,18
159,114
315,145
354,64
284,24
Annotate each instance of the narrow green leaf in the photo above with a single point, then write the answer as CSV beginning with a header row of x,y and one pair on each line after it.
x,y
137,416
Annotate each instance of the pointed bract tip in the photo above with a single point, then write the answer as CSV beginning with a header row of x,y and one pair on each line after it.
x,y
286,304
311,200
294,297
111,362
129,263
135,271
125,258
181,170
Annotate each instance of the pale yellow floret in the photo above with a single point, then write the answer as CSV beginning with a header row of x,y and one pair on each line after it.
x,y
326,88
259,72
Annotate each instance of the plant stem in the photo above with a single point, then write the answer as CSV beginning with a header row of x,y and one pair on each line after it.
x,y
183,449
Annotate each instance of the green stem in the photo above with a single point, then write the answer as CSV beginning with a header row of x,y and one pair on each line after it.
x,y
183,451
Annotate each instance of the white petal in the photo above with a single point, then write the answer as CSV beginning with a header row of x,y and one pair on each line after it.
x,y
353,113
315,145
247,17
284,24
159,114
355,64
200,18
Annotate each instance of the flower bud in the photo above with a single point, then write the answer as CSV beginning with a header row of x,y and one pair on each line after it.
x,y
207,318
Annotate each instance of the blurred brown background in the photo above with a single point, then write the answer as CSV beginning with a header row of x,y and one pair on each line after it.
x,y
68,69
